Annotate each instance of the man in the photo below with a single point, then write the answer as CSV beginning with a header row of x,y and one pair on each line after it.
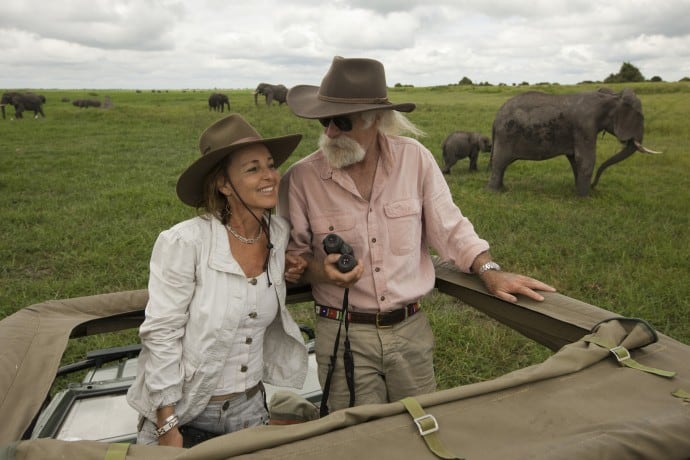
x,y
386,197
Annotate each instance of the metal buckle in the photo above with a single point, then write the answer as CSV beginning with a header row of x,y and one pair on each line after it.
x,y
418,421
381,326
621,353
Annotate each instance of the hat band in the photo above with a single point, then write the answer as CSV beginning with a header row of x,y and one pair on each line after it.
x,y
238,141
247,139
354,100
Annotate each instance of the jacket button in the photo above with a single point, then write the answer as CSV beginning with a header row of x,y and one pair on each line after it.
x,y
243,368
253,315
253,281
248,340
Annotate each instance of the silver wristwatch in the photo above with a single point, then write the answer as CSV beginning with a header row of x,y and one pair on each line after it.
x,y
488,266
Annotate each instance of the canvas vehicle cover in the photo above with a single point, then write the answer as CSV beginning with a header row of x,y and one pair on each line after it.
x,y
615,389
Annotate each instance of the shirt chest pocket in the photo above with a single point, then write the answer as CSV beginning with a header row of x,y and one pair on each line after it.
x,y
341,224
404,221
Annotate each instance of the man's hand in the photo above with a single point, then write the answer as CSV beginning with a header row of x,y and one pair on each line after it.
x,y
504,284
335,276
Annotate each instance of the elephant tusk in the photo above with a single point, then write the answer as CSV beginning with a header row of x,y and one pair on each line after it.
x,y
644,149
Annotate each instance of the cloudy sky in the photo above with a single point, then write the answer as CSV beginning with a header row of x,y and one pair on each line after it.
x,y
179,44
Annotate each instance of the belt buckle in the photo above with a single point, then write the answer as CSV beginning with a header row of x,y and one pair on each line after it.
x,y
381,326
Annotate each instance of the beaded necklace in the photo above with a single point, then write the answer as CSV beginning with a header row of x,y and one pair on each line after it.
x,y
244,239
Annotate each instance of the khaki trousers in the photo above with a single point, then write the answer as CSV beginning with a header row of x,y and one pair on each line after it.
x,y
390,363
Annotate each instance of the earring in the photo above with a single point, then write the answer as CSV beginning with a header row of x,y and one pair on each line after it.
x,y
227,211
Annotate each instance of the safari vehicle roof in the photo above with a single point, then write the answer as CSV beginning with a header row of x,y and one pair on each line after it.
x,y
580,403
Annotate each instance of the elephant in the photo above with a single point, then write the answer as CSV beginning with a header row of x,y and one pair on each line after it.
x,y
86,103
272,93
218,101
538,126
22,102
464,144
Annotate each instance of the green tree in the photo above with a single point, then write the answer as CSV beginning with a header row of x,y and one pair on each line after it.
x,y
465,81
628,73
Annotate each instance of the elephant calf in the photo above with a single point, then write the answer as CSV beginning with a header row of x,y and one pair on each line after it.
x,y
218,101
463,144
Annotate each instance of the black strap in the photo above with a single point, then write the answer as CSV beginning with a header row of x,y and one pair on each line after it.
x,y
347,361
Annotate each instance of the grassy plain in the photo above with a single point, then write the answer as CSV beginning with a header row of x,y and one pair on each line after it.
x,y
85,192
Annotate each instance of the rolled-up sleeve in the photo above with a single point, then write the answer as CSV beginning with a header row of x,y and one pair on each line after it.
x,y
171,287
293,207
447,230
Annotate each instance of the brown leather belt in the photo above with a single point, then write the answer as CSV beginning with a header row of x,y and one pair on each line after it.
x,y
383,319
230,396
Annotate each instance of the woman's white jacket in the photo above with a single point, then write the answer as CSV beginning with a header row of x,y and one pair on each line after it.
x,y
195,290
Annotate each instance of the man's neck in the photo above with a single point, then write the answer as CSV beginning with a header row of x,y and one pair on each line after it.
x,y
363,172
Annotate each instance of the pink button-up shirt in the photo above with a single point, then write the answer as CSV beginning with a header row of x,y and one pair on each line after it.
x,y
410,210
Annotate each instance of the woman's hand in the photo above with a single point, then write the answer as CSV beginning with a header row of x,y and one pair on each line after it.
x,y
294,267
172,438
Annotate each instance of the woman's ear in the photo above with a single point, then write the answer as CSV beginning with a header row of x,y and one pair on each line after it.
x,y
224,186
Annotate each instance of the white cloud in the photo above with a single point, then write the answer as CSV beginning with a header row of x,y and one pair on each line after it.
x,y
216,43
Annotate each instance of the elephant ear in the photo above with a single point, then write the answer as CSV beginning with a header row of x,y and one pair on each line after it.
x,y
629,121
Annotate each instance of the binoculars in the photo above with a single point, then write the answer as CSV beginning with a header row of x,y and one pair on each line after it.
x,y
333,244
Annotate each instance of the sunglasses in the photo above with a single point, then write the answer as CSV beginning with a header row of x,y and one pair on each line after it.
x,y
342,123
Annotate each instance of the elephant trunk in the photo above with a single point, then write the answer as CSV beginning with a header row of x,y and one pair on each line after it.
x,y
3,110
256,96
631,147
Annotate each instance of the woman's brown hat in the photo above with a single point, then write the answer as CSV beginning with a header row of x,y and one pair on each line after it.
x,y
350,86
217,142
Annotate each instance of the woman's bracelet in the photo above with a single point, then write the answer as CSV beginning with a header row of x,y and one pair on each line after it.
x,y
168,424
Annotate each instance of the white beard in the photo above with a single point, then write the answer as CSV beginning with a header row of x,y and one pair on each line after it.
x,y
341,151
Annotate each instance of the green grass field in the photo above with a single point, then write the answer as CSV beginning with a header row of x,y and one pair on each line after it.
x,y
85,192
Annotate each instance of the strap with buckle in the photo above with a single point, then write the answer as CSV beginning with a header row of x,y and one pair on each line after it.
x,y
624,359
428,428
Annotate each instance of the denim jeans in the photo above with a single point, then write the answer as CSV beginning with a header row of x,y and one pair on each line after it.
x,y
219,417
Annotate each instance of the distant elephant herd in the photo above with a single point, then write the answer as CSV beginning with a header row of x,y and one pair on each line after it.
x,y
278,93
23,102
531,126
539,126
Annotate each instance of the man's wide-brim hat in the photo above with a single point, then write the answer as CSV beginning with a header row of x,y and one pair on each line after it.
x,y
219,140
350,86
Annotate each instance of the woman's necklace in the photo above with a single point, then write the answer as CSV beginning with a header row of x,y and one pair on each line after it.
x,y
243,239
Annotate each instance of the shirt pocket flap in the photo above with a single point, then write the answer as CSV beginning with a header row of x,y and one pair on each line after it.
x,y
332,224
403,208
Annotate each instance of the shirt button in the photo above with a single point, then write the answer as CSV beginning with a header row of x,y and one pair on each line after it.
x,y
377,269
253,281
253,315
248,340
373,240
243,368
330,228
383,297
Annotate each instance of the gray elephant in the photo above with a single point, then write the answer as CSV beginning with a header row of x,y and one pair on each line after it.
x,y
272,93
538,126
23,102
86,103
464,144
218,101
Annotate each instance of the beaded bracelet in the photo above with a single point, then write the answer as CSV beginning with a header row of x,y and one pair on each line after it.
x,y
168,424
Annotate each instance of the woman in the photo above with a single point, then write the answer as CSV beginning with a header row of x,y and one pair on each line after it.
x,y
216,322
